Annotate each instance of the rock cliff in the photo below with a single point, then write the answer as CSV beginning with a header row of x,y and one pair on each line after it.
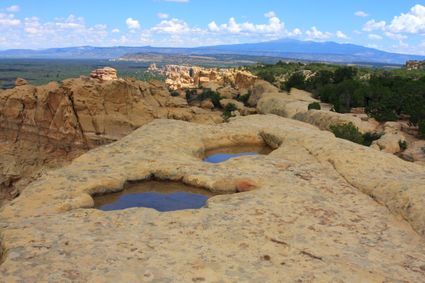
x,y
188,77
324,210
62,120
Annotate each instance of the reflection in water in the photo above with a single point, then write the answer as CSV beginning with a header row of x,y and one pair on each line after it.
x,y
224,153
159,195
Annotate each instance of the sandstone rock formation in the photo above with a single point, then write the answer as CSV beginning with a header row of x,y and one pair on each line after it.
x,y
324,210
104,74
20,82
391,138
63,120
415,65
188,77
295,105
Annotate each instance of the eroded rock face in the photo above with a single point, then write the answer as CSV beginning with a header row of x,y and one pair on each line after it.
x,y
60,120
317,208
295,105
104,74
188,77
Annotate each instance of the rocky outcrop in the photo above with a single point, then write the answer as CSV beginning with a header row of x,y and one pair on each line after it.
x,y
189,77
295,105
61,120
415,65
391,138
20,82
322,209
104,74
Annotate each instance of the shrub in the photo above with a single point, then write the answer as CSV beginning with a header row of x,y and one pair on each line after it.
x,y
403,145
348,132
174,93
244,98
369,137
421,127
209,94
295,80
344,73
228,109
314,105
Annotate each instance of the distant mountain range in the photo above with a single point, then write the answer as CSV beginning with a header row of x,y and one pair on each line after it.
x,y
284,48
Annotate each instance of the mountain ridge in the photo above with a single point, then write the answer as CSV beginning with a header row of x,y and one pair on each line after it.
x,y
328,51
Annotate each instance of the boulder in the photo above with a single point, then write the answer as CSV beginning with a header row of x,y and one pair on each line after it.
x,y
104,74
20,82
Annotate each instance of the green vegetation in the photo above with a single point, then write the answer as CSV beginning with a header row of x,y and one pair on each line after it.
x,y
386,95
228,109
244,98
191,95
368,138
42,71
421,127
174,93
314,105
403,145
348,132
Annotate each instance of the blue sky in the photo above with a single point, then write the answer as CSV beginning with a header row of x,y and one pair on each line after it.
x,y
392,25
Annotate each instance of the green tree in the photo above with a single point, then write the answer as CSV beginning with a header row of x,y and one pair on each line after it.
x,y
348,132
296,80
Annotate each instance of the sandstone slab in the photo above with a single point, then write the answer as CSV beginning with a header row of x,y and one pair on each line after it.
x,y
315,209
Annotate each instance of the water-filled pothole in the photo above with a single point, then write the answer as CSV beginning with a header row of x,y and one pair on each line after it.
x,y
159,195
222,154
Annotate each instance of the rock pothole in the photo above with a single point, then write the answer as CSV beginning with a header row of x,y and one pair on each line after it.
x,y
222,154
161,195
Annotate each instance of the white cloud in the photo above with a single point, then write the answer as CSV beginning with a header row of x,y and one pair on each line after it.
x,y
270,14
132,23
115,30
295,32
341,35
163,16
394,36
361,14
213,27
173,26
411,22
316,34
374,25
13,9
274,26
374,36
8,20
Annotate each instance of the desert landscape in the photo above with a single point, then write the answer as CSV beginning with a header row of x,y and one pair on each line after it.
x,y
282,160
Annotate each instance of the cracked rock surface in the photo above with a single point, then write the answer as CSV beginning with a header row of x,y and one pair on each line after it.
x,y
323,210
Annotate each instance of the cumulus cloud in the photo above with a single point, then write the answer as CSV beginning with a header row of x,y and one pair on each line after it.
x,y
274,26
115,30
172,26
132,24
270,14
410,22
8,20
339,34
374,36
13,9
395,36
361,14
314,33
213,27
374,25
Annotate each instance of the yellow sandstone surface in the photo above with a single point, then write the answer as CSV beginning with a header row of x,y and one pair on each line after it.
x,y
323,210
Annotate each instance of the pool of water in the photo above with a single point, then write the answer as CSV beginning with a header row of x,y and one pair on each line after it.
x,y
225,153
159,195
